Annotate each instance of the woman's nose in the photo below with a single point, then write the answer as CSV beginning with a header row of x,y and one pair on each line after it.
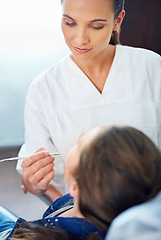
x,y
81,37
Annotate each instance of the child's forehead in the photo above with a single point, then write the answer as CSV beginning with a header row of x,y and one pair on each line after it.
x,y
87,138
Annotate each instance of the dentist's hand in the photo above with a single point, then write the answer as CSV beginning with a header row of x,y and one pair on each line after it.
x,y
38,171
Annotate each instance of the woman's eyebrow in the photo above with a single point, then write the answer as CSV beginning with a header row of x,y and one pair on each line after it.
x,y
99,20
95,20
65,15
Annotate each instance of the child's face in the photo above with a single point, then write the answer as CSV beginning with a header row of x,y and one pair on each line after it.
x,y
73,156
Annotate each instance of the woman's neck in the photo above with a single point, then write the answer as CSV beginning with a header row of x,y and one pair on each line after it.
x,y
99,62
97,68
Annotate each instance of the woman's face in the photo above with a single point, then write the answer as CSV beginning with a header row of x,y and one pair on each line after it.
x,y
87,26
73,156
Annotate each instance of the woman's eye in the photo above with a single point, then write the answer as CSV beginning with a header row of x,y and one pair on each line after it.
x,y
69,23
97,27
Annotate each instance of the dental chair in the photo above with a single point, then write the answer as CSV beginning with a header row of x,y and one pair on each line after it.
x,y
8,214
141,222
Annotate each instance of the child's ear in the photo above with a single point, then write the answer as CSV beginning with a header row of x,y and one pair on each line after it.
x,y
119,20
74,190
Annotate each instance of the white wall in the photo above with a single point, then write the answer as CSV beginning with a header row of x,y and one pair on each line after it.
x,y
30,41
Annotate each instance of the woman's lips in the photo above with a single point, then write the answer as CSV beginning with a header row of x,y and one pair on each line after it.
x,y
82,50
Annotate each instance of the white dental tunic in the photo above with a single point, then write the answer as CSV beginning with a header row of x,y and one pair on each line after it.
x,y
62,103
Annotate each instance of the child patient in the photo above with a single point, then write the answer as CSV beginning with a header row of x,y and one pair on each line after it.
x,y
108,171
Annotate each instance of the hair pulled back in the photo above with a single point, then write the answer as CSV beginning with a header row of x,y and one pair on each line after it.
x,y
119,169
118,6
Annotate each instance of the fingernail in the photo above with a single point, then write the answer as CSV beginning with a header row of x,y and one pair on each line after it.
x,y
46,153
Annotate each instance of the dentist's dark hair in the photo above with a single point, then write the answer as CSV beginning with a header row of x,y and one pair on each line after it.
x,y
118,6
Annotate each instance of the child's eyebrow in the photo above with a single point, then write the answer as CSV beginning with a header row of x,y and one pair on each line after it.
x,y
79,138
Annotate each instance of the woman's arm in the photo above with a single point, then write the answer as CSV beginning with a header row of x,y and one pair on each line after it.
x,y
52,192
37,134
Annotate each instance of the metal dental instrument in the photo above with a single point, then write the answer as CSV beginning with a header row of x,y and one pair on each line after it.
x,y
17,158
